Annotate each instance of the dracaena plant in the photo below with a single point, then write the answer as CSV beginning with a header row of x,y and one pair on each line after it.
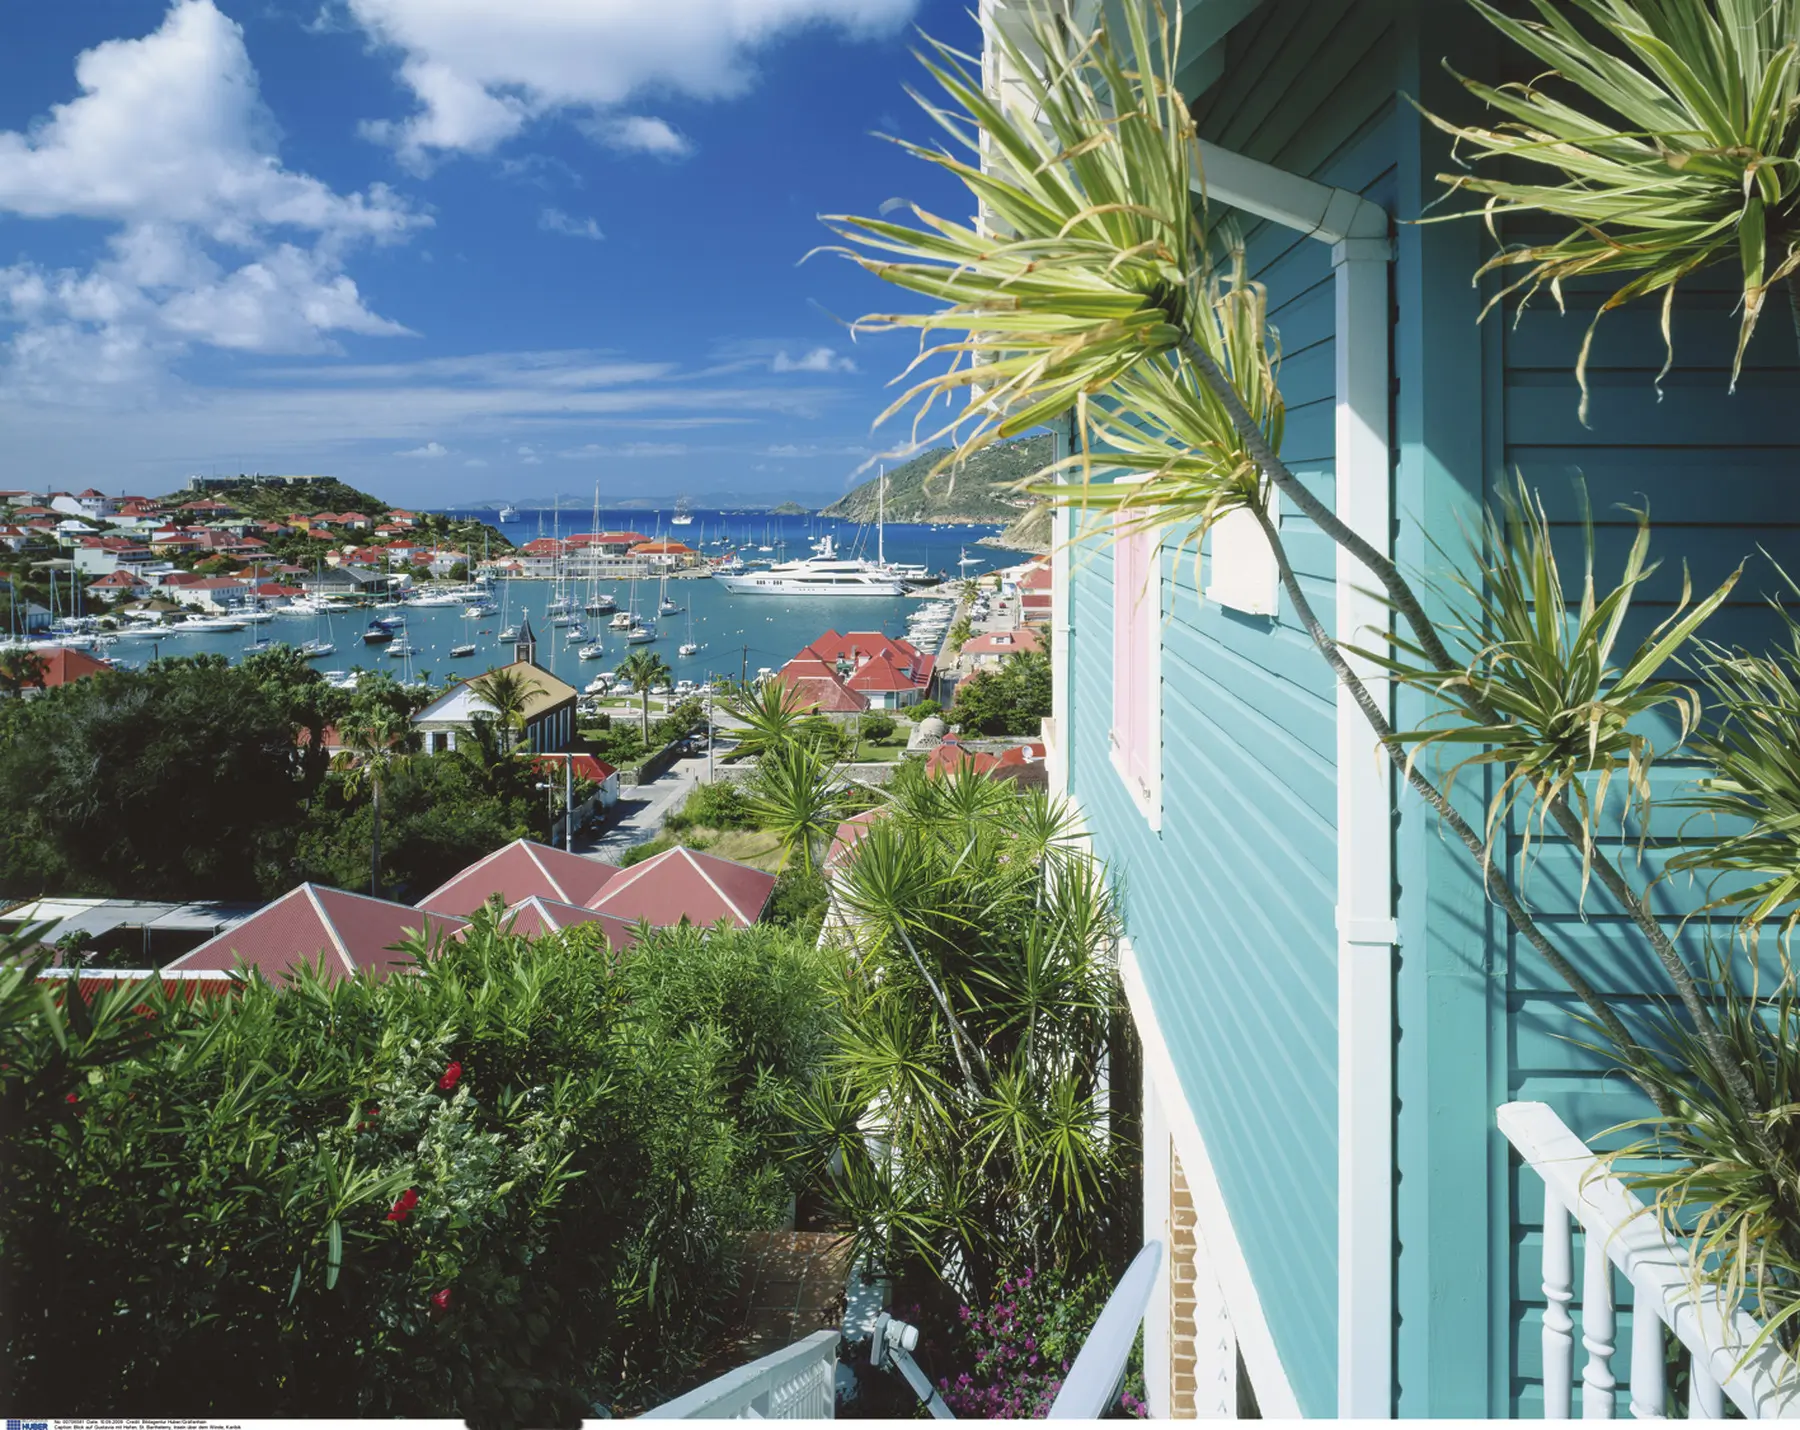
x,y
1662,137
1093,285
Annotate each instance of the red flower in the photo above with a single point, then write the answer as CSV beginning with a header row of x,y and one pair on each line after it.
x,y
407,1201
374,1109
452,1076
71,1098
441,1299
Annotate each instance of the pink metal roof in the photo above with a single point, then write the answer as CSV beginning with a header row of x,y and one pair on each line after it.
x,y
351,932
533,917
682,884
518,871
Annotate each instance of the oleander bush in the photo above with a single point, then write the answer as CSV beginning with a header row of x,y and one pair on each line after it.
x,y
504,1186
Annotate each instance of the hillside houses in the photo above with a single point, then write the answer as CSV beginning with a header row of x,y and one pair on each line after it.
x,y
863,670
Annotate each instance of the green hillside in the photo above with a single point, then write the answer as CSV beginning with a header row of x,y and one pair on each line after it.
x,y
977,491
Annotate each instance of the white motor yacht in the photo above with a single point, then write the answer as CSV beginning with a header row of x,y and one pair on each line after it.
x,y
824,573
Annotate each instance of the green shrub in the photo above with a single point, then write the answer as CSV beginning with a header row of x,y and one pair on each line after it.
x,y
501,1187
720,805
798,901
925,708
879,727
638,853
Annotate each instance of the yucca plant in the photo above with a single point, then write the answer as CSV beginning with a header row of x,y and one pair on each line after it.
x,y
796,793
1671,133
965,1105
1748,843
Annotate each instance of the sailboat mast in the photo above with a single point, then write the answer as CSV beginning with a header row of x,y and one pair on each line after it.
x,y
881,519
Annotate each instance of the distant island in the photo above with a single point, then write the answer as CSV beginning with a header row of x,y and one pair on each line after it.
x,y
790,508
977,491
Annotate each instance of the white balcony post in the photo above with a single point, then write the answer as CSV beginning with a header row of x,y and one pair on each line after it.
x,y
1706,1401
1559,1338
1598,1328
1647,1383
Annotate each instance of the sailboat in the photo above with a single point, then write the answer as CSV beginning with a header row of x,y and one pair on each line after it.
x,y
559,597
684,514
665,606
320,644
687,647
508,630
598,602
636,632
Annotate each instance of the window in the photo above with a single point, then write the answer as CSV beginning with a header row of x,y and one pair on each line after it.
x,y
1137,668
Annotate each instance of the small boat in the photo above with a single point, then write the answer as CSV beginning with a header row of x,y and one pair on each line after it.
x,y
377,634
259,645
507,513
667,607
601,604
401,648
480,610
687,648
640,635
591,652
599,685
457,652
621,622
390,622
340,679
511,633
315,649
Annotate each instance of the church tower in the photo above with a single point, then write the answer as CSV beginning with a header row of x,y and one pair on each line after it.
x,y
525,647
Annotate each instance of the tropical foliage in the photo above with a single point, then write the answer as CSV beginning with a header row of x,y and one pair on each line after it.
x,y
504,1187
644,669
1662,137
796,793
967,1128
1013,700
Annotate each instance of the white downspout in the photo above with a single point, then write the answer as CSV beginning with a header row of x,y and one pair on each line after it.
x,y
1361,251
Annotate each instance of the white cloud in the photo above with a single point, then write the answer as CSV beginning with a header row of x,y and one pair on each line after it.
x,y
476,462
216,241
556,221
430,451
817,360
480,72
529,457
627,449
640,134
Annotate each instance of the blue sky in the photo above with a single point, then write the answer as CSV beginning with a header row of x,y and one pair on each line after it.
x,y
451,249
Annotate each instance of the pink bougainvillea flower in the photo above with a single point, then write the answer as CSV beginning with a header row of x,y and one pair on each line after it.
x,y
403,1205
441,1299
71,1098
452,1076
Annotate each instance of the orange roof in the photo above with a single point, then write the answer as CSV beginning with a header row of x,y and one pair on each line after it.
x,y
63,665
662,548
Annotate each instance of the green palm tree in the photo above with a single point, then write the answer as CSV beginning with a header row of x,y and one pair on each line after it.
x,y
796,794
1670,133
509,692
643,668
377,744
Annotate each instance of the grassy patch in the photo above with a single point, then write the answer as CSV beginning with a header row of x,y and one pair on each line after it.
x,y
747,846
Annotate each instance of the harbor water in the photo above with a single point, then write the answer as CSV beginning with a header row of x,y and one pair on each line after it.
x,y
737,635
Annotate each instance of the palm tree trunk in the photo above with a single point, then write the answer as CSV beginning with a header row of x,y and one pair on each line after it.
x,y
644,696
375,845
1406,602
1498,887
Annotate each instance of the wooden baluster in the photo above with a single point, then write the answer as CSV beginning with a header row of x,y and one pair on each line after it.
x,y
1648,1386
1706,1401
1598,1329
1559,1338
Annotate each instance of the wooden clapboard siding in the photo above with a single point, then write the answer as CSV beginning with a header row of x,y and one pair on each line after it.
x,y
1710,464
1231,906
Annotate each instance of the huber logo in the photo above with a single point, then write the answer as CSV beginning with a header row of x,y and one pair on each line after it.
x,y
27,1425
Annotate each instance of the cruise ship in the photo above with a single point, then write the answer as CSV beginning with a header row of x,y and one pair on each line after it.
x,y
822,574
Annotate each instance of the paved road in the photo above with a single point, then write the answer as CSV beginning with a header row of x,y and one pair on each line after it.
x,y
639,814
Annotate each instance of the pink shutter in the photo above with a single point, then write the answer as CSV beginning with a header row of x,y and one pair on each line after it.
x,y
1134,613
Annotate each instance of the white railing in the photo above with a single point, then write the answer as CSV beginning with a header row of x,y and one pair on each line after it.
x,y
799,1383
1763,1383
1093,1381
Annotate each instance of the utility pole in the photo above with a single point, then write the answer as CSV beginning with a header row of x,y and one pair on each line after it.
x,y
568,802
709,733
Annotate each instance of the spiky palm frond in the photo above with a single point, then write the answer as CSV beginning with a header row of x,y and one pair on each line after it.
x,y
1567,713
1672,128
1749,846
1086,273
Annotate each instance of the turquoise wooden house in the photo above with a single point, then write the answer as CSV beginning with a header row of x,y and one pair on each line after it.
x,y
1332,1013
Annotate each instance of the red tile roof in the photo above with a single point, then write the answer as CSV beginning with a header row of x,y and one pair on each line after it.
x,y
662,548
882,673
587,767
350,932
951,755
682,884
518,871
1036,579
824,693
62,665
849,834
1003,642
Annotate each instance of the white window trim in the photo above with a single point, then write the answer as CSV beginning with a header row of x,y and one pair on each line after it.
x,y
1146,794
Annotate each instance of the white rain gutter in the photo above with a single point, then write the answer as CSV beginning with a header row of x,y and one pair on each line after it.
x,y
1367,934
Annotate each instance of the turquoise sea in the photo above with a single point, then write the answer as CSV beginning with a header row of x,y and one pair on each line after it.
x,y
736,634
